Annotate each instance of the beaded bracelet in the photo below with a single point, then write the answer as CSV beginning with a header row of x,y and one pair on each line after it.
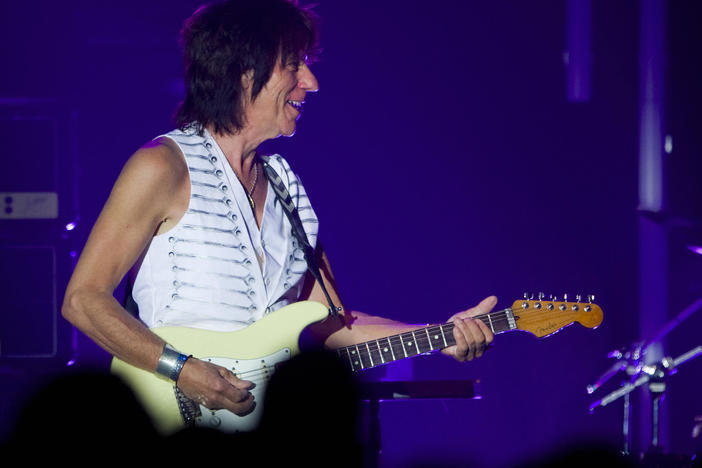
x,y
171,363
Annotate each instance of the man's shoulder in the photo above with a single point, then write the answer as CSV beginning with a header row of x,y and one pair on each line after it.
x,y
159,159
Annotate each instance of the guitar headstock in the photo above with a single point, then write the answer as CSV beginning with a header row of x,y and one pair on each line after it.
x,y
543,317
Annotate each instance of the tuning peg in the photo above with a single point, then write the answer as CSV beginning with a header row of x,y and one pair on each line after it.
x,y
590,298
565,297
526,295
541,296
578,298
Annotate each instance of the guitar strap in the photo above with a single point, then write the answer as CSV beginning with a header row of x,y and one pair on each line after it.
x,y
298,230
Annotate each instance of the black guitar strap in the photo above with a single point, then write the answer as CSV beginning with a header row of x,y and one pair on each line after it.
x,y
298,231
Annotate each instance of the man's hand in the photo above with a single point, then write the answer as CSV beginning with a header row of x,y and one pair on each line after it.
x,y
472,336
216,387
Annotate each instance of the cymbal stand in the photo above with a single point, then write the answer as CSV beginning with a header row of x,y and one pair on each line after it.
x,y
631,360
654,375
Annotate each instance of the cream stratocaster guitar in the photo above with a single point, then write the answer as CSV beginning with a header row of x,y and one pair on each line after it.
x,y
253,352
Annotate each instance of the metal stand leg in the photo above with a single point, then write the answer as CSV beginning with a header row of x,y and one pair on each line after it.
x,y
626,428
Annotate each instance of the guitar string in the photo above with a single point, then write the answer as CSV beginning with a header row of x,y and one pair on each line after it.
x,y
499,317
259,375
420,340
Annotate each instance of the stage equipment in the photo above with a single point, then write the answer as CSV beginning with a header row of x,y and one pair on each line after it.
x,y
38,215
375,392
639,373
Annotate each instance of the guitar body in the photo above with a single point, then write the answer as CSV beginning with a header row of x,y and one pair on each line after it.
x,y
251,353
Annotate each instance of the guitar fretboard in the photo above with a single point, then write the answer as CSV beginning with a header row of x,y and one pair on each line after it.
x,y
425,340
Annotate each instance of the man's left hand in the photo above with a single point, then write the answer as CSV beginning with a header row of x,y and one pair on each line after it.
x,y
472,336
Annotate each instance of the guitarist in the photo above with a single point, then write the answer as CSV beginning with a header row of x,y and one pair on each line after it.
x,y
192,216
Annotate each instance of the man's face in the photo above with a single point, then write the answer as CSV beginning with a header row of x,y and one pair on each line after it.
x,y
279,104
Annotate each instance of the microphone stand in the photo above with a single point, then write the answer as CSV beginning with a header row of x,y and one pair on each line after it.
x,y
654,374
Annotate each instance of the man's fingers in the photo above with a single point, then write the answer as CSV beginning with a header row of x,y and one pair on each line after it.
x,y
463,340
236,390
487,332
216,387
477,337
472,337
230,377
485,306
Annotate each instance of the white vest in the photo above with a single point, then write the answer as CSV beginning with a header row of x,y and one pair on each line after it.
x,y
205,271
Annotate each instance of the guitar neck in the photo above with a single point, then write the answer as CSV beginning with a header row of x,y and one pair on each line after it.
x,y
432,338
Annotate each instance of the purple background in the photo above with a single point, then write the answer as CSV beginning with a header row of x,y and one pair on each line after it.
x,y
446,164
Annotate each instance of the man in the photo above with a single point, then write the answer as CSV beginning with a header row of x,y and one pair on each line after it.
x,y
193,215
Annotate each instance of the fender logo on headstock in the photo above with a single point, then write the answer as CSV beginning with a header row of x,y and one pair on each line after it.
x,y
548,328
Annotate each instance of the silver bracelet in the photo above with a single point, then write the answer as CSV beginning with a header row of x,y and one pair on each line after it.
x,y
171,363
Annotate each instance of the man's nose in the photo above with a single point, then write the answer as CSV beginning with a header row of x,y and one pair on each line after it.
x,y
307,80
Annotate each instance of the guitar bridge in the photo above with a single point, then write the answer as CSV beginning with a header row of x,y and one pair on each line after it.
x,y
189,410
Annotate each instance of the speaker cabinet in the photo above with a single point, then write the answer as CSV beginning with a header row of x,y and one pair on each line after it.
x,y
37,211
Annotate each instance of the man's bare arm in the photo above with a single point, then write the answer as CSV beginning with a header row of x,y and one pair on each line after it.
x,y
351,327
150,195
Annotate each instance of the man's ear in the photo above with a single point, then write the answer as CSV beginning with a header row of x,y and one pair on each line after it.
x,y
247,80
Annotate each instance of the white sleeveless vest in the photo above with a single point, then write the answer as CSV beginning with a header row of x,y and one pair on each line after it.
x,y
204,272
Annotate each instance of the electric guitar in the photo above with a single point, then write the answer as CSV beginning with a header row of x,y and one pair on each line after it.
x,y
253,352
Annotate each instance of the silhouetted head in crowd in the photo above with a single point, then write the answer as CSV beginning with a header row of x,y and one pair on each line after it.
x,y
310,412
80,415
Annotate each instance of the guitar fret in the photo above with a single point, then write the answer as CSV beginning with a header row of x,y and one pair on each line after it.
x,y
391,350
490,320
416,346
409,343
380,351
358,354
348,355
402,342
370,355
375,349
435,338
431,347
441,327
